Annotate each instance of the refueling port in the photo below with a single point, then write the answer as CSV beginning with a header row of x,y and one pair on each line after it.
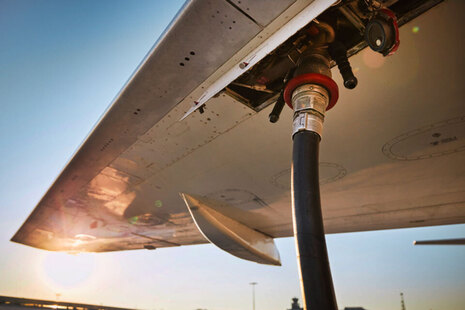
x,y
382,32
310,93
354,23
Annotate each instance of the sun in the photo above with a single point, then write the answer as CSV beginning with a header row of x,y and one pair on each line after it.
x,y
67,271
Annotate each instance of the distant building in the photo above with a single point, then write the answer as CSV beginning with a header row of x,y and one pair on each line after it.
x,y
295,304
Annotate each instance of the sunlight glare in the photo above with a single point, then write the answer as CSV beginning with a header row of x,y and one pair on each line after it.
x,y
65,271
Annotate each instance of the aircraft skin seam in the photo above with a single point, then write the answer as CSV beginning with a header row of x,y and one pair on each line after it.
x,y
245,14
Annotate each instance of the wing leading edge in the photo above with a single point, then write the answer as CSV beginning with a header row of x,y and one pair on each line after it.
x,y
85,208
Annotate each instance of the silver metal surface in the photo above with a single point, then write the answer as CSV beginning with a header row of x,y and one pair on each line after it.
x,y
307,121
262,11
229,234
182,58
310,97
309,102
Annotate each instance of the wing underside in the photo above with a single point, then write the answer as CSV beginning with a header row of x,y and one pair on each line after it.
x,y
392,152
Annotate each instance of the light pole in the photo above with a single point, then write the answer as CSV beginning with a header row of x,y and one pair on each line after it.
x,y
253,294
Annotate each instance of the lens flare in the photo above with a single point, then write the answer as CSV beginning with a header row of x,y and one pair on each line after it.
x,y
133,220
415,29
65,271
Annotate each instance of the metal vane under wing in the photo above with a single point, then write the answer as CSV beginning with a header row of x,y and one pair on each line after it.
x,y
229,234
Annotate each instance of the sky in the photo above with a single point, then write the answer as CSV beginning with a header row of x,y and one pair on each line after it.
x,y
61,65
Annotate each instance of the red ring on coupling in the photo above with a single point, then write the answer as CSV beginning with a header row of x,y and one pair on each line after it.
x,y
312,78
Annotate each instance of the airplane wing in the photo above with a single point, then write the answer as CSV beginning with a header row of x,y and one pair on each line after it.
x,y
458,241
392,150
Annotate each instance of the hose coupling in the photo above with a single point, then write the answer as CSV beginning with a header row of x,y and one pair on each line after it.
x,y
310,102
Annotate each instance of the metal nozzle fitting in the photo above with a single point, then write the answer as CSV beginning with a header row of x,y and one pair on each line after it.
x,y
310,102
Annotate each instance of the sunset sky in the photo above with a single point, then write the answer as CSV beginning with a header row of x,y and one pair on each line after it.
x,y
61,64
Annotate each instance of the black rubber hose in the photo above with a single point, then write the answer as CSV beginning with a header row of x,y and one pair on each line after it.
x,y
308,230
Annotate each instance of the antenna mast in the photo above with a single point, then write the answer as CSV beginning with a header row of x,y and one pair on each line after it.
x,y
402,304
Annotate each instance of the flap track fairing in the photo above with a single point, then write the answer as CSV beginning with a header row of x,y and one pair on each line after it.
x,y
230,235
